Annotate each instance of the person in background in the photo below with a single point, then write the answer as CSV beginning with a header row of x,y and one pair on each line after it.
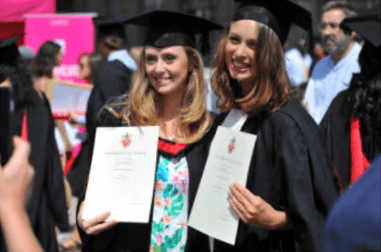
x,y
16,179
351,126
89,64
290,184
333,73
49,56
32,119
112,80
317,52
167,91
298,63
27,55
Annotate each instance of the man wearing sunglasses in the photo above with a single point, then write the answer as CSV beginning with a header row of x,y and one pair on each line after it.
x,y
333,73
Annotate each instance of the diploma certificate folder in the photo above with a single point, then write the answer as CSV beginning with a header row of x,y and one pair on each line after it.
x,y
228,162
122,173
65,97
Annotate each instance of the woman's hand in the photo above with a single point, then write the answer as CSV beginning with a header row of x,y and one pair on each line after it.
x,y
95,225
254,211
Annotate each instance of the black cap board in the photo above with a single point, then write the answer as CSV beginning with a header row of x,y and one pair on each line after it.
x,y
167,28
367,25
276,14
110,26
9,51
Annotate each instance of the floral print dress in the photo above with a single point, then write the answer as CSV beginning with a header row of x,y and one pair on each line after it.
x,y
170,212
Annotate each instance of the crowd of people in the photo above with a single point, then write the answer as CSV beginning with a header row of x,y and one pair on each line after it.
x,y
313,182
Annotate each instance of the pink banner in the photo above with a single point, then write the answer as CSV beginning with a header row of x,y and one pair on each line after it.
x,y
13,10
74,33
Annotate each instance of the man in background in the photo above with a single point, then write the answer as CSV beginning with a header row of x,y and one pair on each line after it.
x,y
333,73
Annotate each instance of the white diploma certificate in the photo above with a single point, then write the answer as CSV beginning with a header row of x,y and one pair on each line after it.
x,y
66,97
122,174
228,162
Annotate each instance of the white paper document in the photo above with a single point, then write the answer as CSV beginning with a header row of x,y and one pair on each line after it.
x,y
122,174
228,162
66,98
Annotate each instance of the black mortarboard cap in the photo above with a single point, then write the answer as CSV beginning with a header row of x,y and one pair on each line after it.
x,y
110,26
367,25
167,28
9,51
276,14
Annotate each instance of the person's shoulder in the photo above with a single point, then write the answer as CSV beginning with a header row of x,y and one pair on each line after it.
x,y
337,106
110,116
322,66
292,54
341,97
293,110
113,66
357,48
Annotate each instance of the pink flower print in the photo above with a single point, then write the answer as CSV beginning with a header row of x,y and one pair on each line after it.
x,y
167,219
167,202
184,185
158,201
159,184
186,173
176,179
159,239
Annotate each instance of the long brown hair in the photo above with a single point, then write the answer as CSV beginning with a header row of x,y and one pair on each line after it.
x,y
271,88
142,105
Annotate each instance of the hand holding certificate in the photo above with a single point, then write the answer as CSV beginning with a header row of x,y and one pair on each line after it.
x,y
228,162
122,174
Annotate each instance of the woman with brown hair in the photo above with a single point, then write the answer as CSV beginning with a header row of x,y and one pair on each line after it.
x,y
167,91
289,188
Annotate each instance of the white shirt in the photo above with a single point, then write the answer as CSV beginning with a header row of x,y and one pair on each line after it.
x,y
296,65
328,79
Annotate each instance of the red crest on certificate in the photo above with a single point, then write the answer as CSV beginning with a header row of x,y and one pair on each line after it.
x,y
126,140
231,146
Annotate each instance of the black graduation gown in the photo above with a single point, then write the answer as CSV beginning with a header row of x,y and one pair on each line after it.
x,y
47,203
136,237
289,170
113,80
335,128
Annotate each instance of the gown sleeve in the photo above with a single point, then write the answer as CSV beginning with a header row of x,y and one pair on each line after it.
x,y
291,168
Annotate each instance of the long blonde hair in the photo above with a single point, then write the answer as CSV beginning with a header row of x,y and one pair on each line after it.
x,y
142,105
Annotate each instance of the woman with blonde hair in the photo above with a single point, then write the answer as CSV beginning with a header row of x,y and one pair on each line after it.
x,y
167,91
289,187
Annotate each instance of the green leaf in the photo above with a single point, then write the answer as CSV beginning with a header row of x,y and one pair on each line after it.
x,y
172,241
157,227
176,208
171,190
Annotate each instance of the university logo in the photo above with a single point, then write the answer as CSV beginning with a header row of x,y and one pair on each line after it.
x,y
231,146
126,140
